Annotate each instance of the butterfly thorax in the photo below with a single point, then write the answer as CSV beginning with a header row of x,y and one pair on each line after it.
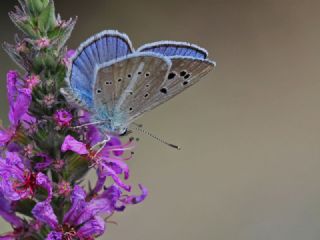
x,y
112,124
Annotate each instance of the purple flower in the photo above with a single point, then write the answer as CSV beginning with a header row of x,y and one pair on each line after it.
x,y
83,219
64,188
43,42
7,213
63,118
19,102
49,100
107,164
66,59
47,162
17,181
32,81
71,144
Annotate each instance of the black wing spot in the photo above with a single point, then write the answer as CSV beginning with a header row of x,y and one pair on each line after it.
x,y
129,75
164,90
147,74
183,73
108,83
185,83
99,91
131,93
131,109
139,73
146,95
172,75
187,76
120,79
147,85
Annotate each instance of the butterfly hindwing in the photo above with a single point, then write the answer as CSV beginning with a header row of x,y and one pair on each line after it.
x,y
101,48
173,48
125,87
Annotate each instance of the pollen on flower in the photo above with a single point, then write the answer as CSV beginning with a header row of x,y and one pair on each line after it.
x,y
64,188
43,42
63,118
58,165
49,100
28,150
32,81
22,47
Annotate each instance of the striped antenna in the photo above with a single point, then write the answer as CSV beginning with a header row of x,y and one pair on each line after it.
x,y
139,128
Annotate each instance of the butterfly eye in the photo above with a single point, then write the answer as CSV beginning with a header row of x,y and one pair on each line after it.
x,y
164,90
171,75
99,91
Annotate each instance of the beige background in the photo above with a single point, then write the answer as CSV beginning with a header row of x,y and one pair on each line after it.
x,y
250,131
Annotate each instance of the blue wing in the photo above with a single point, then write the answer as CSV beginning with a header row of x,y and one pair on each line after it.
x,y
101,48
175,49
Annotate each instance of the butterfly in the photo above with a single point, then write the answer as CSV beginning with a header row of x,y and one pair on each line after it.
x,y
118,84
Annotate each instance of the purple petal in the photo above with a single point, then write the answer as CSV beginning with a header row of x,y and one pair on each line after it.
x,y
137,199
45,164
12,78
71,144
120,164
44,213
7,213
55,236
78,200
6,136
107,171
10,236
19,107
113,143
70,53
43,181
94,227
100,182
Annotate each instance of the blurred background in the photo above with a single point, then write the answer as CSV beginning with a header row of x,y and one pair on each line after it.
x,y
250,131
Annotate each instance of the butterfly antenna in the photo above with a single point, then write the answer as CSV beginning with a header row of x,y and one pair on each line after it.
x,y
139,128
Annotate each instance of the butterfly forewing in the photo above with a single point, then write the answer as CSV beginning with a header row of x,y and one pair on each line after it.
x,y
183,73
126,87
118,85
100,48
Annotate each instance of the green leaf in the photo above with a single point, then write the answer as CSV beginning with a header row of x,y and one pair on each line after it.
x,y
47,19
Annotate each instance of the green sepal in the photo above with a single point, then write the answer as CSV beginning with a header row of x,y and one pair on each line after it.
x,y
36,6
76,167
47,19
27,28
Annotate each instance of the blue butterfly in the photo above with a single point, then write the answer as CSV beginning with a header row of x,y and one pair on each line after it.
x,y
117,84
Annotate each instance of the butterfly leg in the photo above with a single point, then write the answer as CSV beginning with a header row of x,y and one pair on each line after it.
x,y
97,148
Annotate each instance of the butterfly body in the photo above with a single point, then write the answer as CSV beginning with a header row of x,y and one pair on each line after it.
x,y
117,84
